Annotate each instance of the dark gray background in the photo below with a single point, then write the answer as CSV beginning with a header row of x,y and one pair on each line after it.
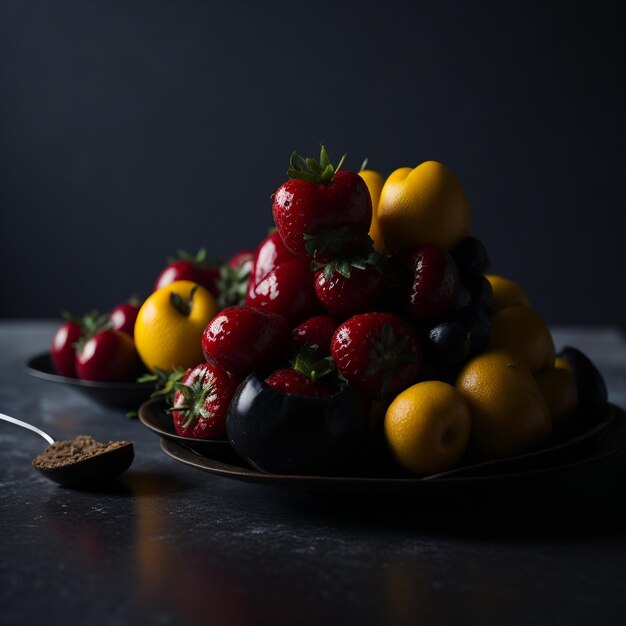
x,y
130,129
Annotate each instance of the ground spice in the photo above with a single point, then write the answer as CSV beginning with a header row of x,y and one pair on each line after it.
x,y
66,452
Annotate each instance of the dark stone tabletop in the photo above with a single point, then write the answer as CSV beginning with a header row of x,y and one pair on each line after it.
x,y
169,544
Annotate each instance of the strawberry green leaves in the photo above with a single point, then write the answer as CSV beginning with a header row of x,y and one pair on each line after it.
x,y
312,171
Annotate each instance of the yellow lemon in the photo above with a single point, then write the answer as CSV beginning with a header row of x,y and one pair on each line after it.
x,y
521,331
506,293
427,427
424,205
560,393
509,414
170,323
374,182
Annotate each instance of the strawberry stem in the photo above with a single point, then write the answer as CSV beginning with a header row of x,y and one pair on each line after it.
x,y
232,285
306,364
313,171
200,258
164,382
90,324
196,396
329,241
343,265
389,354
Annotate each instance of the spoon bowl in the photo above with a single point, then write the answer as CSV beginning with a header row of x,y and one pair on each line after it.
x,y
101,463
94,469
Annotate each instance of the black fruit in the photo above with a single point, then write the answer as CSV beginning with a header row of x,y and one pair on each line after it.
x,y
476,322
293,434
471,257
481,292
592,392
447,343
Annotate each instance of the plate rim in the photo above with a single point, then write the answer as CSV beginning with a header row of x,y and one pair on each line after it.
x,y
173,436
535,456
301,481
43,374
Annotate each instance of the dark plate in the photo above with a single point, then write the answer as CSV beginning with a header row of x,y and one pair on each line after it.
x,y
556,454
152,414
608,438
126,396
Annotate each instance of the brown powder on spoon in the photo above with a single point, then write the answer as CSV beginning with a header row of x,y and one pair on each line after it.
x,y
66,452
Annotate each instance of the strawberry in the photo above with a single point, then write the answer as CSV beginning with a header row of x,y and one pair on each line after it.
x,y
435,285
73,332
198,269
270,253
234,276
316,331
349,285
243,258
305,377
322,211
241,340
288,290
201,402
122,317
288,380
378,353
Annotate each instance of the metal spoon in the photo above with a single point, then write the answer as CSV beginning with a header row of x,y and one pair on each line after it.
x,y
98,467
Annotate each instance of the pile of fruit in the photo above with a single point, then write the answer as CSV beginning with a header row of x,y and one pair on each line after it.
x,y
366,326
98,346
101,347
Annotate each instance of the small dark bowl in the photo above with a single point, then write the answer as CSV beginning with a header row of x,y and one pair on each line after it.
x,y
126,396
95,469
292,434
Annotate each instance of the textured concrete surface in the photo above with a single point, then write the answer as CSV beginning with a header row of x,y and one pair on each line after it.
x,y
167,544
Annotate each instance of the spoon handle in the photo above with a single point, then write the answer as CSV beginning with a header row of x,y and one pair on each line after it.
x,y
13,420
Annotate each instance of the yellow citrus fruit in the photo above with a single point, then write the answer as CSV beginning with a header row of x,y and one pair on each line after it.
x,y
170,323
374,182
521,331
560,393
427,427
509,414
561,364
506,293
423,205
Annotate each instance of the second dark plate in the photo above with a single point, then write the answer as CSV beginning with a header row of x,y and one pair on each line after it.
x,y
602,443
126,396
152,414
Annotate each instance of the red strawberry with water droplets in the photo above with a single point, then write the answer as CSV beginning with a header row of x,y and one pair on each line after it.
x,y
241,340
201,402
350,285
378,353
63,350
242,259
270,253
307,376
75,332
315,331
122,317
196,268
435,284
322,212
288,291
288,380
